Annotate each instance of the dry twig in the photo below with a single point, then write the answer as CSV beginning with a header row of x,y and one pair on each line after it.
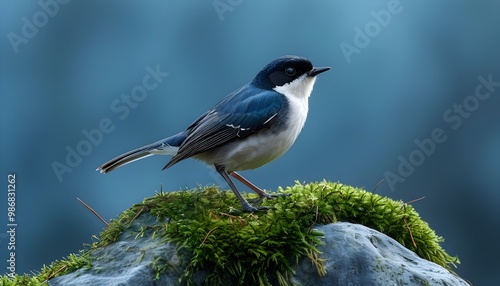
x,y
93,211
208,234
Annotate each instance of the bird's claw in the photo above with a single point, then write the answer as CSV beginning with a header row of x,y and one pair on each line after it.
x,y
250,209
268,196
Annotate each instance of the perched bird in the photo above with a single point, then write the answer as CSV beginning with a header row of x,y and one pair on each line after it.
x,y
250,127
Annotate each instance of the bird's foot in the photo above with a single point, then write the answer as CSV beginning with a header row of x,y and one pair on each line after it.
x,y
250,209
268,196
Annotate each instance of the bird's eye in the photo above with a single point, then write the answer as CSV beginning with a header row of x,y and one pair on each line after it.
x,y
290,71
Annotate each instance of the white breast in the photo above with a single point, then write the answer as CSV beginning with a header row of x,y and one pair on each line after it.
x,y
262,148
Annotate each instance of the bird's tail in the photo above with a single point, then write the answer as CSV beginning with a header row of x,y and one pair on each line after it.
x,y
167,146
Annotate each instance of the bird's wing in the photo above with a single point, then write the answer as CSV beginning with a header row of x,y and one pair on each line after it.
x,y
236,116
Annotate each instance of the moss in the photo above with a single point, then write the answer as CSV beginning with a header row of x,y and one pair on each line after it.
x,y
243,247
57,268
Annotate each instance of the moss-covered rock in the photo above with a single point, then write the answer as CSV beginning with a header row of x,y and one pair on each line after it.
x,y
255,248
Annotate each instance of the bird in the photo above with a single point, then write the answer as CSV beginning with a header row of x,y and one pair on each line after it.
x,y
248,128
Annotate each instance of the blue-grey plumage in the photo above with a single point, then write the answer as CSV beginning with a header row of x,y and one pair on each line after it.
x,y
250,127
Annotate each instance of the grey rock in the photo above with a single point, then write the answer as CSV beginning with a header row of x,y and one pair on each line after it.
x,y
130,261
356,255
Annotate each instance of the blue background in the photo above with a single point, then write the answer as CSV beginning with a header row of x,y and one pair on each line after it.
x,y
364,113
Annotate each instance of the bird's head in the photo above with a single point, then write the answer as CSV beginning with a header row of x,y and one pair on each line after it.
x,y
289,75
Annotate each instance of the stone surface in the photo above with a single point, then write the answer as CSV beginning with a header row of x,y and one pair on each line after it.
x,y
129,261
356,255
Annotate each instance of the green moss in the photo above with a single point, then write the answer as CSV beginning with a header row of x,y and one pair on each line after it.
x,y
243,247
20,280
57,268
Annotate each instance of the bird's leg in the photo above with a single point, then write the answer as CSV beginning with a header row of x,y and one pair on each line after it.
x,y
256,189
246,206
249,184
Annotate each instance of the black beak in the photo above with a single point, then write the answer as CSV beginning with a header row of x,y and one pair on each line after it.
x,y
316,71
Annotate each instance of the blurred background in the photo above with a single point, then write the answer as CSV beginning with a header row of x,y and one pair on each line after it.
x,y
84,81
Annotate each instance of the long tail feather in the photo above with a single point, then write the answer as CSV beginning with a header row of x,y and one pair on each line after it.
x,y
168,146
